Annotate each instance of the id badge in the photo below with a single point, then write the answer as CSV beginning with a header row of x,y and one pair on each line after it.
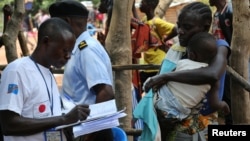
x,y
53,135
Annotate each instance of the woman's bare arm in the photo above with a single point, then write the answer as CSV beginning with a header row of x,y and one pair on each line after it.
x,y
206,75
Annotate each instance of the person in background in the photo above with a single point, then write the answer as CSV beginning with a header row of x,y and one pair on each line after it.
x,y
99,19
106,7
193,18
163,31
41,16
36,17
91,28
88,75
30,104
91,21
27,27
222,28
92,17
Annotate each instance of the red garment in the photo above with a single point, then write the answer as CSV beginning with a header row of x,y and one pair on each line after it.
x,y
136,81
140,39
99,16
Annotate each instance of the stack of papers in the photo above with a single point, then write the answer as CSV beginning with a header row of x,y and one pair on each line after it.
x,y
98,124
102,116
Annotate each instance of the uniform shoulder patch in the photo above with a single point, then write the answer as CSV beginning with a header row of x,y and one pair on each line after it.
x,y
82,45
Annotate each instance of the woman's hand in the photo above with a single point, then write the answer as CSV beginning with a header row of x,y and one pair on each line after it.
x,y
154,82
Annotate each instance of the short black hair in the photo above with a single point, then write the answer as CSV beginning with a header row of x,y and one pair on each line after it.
x,y
152,3
204,44
53,28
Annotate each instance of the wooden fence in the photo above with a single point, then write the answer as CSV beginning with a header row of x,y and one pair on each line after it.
x,y
234,75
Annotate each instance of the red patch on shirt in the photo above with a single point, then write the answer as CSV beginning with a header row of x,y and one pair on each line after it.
x,y
42,108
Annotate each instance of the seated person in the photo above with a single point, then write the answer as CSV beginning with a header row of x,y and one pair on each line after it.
x,y
178,100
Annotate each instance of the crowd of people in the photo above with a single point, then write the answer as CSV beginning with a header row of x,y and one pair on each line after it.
x,y
180,99
32,22
193,127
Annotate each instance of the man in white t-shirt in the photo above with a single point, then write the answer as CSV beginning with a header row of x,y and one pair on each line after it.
x,y
30,105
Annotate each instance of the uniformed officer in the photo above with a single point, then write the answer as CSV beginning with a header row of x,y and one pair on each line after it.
x,y
88,74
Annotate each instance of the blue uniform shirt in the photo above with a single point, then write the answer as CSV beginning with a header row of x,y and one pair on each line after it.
x,y
88,66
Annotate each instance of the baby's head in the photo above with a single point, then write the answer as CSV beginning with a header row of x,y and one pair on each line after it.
x,y
202,47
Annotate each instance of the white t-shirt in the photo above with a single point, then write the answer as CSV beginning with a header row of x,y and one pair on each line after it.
x,y
188,95
23,91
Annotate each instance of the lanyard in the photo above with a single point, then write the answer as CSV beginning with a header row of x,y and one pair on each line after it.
x,y
50,98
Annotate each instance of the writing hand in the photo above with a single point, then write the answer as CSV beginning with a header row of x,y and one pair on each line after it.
x,y
79,112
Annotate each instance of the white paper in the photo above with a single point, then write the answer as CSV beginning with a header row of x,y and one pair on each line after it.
x,y
97,125
102,109
102,115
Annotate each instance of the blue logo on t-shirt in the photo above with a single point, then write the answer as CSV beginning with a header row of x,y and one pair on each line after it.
x,y
13,88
